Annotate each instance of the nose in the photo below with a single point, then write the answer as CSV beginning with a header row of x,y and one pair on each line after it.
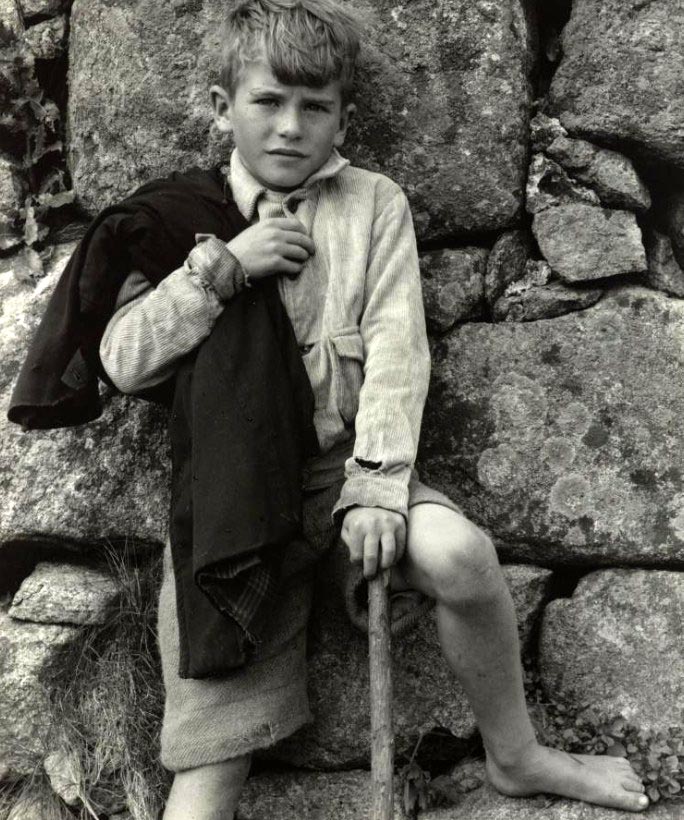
x,y
289,123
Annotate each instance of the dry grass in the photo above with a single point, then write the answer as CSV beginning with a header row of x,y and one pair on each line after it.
x,y
106,718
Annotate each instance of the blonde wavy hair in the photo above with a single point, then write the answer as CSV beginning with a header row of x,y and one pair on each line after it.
x,y
306,42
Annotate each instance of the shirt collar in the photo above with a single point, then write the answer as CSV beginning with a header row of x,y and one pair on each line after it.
x,y
247,190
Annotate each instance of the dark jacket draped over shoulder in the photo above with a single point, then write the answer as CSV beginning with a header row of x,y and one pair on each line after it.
x,y
242,410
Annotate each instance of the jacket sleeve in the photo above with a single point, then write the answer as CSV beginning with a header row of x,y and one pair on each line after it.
x,y
396,369
154,327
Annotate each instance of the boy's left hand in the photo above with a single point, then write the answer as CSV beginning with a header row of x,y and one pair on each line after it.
x,y
374,536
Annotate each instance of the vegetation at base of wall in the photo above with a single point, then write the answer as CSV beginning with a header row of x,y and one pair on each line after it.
x,y
106,718
657,756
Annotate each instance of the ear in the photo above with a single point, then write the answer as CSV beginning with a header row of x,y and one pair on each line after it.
x,y
346,116
222,107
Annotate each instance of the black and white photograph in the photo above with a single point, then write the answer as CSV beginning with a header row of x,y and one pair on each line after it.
x,y
342,430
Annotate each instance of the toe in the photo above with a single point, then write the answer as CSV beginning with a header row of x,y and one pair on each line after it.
x,y
637,803
633,785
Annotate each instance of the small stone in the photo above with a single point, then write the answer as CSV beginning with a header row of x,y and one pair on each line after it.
x,y
506,262
544,300
453,286
544,130
32,659
664,273
48,39
63,770
617,644
65,594
36,8
583,242
611,174
549,185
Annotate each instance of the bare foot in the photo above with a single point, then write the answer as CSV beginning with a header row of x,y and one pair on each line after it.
x,y
606,781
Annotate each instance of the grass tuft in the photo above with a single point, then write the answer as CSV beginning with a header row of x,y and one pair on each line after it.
x,y
106,718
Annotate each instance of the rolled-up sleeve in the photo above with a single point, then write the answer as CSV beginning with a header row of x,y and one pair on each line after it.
x,y
396,369
152,328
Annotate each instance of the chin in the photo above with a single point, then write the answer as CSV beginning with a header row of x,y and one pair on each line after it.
x,y
284,182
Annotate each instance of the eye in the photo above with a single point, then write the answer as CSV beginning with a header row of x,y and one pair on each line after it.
x,y
316,107
267,102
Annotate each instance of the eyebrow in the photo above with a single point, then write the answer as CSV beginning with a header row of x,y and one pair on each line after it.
x,y
274,92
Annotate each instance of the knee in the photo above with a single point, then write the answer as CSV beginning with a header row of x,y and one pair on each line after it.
x,y
470,572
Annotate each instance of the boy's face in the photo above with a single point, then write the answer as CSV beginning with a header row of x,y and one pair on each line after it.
x,y
284,133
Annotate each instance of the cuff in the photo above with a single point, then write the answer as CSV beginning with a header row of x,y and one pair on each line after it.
x,y
216,266
373,488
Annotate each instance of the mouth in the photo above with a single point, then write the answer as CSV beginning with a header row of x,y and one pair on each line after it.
x,y
286,152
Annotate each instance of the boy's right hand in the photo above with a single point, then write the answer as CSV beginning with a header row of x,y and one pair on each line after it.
x,y
272,246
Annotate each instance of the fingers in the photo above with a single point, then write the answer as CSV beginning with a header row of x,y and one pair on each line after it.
x,y
294,232
295,252
363,549
376,538
299,240
400,540
389,549
288,267
286,223
371,551
353,538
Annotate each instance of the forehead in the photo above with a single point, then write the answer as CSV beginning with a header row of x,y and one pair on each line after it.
x,y
256,76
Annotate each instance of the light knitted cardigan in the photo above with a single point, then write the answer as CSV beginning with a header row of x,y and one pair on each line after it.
x,y
356,309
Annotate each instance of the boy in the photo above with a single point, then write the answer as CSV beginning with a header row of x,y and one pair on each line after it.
x,y
340,241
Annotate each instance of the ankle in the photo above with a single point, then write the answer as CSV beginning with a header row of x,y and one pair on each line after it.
x,y
511,758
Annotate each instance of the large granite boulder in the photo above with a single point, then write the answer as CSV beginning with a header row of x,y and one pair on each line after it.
x,y
616,643
104,480
564,437
346,796
442,95
486,803
308,796
426,694
620,76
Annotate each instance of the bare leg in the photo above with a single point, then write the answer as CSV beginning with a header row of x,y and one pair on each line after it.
x,y
450,559
208,792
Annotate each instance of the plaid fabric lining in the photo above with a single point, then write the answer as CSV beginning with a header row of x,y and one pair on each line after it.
x,y
243,589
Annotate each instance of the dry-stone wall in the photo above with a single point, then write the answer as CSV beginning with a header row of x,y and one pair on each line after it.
x,y
542,151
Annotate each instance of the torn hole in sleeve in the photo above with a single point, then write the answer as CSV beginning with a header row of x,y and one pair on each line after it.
x,y
368,465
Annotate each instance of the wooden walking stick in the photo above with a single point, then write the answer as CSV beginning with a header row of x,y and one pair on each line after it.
x,y
382,734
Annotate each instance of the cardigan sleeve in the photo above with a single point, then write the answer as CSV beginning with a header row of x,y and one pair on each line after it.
x,y
152,328
396,368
